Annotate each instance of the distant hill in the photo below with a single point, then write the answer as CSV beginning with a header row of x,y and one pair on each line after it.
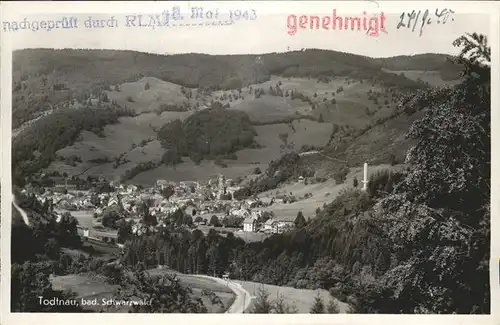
x,y
422,62
295,100
44,78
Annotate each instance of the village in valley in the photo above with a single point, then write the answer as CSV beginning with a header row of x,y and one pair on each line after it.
x,y
102,207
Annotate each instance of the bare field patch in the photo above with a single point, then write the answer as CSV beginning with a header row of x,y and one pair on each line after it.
x,y
188,171
84,218
251,237
322,193
300,132
271,108
135,95
302,299
308,86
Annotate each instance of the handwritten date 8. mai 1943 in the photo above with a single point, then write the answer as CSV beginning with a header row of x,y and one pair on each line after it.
x,y
421,18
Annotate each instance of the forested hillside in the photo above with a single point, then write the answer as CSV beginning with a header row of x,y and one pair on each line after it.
x,y
45,78
36,147
208,133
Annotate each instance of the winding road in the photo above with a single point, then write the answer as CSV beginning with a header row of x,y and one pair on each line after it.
x,y
243,297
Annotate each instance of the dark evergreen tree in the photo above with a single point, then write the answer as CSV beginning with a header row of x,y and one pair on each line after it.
x,y
300,221
318,306
262,304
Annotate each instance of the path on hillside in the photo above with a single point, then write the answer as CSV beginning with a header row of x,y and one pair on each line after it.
x,y
243,297
316,152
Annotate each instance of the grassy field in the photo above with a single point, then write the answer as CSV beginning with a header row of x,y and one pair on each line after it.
x,y
248,237
271,108
188,171
302,299
87,287
306,133
198,284
251,237
135,95
322,193
84,218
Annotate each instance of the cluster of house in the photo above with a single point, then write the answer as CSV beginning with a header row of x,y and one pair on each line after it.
x,y
200,199
271,225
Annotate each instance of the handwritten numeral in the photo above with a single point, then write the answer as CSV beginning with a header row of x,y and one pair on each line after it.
x,y
410,17
254,15
401,19
413,19
445,13
425,21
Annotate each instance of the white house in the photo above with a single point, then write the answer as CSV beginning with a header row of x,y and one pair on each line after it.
x,y
242,213
131,189
257,213
112,202
161,183
284,225
270,225
250,225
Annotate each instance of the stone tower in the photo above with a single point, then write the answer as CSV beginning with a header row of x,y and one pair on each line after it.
x,y
222,185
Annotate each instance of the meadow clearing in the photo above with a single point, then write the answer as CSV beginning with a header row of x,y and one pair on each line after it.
x,y
268,108
322,193
89,287
140,98
306,133
84,218
302,299
134,138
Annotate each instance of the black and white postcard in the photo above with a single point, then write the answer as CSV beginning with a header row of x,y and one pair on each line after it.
x,y
212,158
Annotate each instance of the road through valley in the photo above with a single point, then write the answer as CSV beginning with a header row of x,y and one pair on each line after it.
x,y
243,297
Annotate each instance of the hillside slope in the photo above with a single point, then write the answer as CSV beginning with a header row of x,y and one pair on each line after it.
x,y
295,100
44,78
422,62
